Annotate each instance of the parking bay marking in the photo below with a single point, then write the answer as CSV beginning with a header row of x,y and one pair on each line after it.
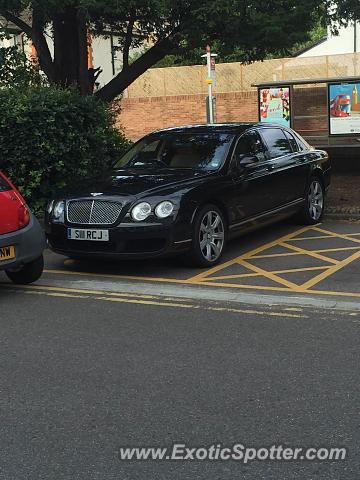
x,y
208,278
331,267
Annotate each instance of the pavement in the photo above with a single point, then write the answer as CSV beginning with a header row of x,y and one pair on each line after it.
x,y
261,350
343,199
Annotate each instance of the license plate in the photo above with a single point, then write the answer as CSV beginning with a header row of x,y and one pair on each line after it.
x,y
7,253
89,235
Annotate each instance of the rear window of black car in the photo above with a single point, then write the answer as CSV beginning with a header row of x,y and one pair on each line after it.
x,y
198,151
4,186
292,141
303,145
278,145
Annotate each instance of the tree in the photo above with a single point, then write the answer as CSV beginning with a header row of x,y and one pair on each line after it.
x,y
191,57
344,11
53,138
254,28
16,70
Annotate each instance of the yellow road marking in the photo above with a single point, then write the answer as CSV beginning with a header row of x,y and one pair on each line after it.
x,y
310,253
52,294
339,235
290,270
256,312
330,271
321,237
75,290
247,255
48,291
290,254
146,302
270,275
315,237
113,276
298,289
205,278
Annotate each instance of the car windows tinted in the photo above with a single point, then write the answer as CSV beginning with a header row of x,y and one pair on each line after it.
x,y
303,145
200,151
4,186
292,141
250,144
278,145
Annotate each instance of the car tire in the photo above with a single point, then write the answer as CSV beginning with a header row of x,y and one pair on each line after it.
x,y
209,237
313,209
28,273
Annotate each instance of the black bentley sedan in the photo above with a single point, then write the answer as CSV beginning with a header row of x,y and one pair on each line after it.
x,y
190,189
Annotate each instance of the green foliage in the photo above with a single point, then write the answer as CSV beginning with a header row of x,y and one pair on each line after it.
x,y
193,57
242,30
16,70
344,12
51,139
317,33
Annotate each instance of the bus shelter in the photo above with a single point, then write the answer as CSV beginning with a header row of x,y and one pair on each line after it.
x,y
325,111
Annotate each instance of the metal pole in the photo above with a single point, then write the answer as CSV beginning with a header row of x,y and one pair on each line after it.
x,y
355,39
211,105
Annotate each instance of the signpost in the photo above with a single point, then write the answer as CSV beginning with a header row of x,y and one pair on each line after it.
x,y
211,82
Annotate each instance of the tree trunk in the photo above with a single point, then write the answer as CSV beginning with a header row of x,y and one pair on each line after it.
x,y
70,49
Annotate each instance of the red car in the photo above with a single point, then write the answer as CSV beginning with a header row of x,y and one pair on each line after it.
x,y
22,240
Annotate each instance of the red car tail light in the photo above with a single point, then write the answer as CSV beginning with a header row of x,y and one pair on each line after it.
x,y
23,216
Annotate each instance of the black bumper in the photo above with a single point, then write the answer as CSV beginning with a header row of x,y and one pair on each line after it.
x,y
29,244
125,241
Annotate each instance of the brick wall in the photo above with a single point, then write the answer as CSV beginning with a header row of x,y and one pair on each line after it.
x,y
143,115
308,102
140,116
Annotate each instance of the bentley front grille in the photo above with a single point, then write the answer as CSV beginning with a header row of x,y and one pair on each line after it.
x,y
93,212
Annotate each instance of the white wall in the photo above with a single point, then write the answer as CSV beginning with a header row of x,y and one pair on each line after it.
x,y
342,43
102,57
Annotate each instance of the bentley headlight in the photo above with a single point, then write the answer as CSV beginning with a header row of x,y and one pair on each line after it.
x,y
164,209
141,211
58,212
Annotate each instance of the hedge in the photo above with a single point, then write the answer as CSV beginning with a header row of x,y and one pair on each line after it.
x,y
52,138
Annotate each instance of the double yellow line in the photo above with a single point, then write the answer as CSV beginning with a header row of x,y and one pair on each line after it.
x,y
150,300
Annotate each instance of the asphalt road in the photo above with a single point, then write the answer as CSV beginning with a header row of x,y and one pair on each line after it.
x,y
83,375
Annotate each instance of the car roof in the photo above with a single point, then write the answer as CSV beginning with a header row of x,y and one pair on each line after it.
x,y
235,127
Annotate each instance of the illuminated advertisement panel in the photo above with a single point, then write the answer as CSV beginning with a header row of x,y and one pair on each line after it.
x,y
274,105
344,108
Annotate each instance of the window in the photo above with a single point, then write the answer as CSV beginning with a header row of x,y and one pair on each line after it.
x,y
303,145
278,145
292,141
250,144
198,151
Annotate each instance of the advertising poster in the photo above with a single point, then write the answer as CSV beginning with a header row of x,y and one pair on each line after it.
x,y
344,108
274,105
